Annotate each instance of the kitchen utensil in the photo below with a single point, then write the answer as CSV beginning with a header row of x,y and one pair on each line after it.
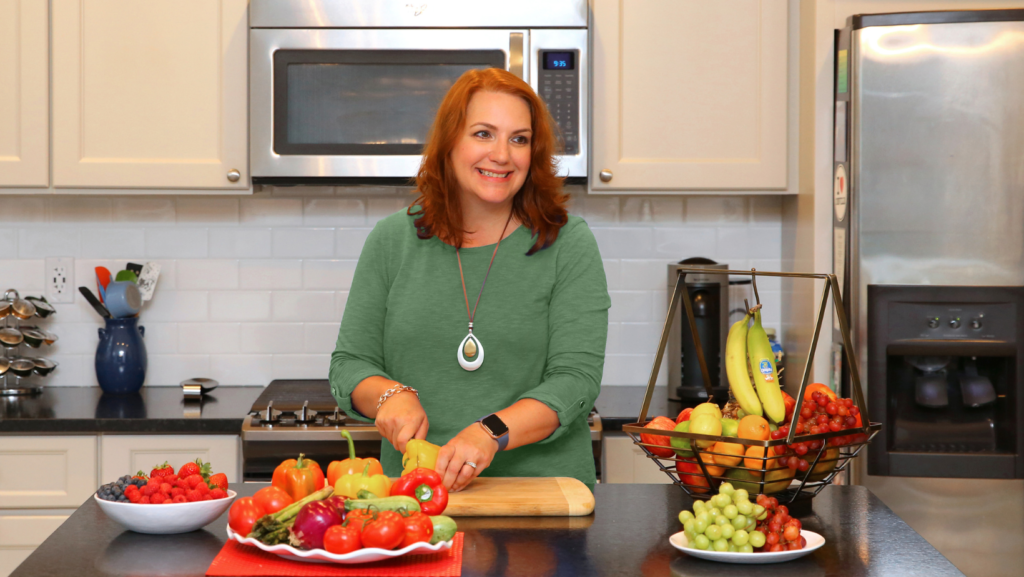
x,y
102,280
22,367
44,366
50,337
147,280
196,388
134,267
165,519
23,309
121,359
11,337
5,309
814,542
5,364
126,276
521,497
96,304
364,555
43,308
33,337
123,299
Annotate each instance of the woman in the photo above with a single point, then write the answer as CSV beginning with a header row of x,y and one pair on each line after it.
x,y
443,329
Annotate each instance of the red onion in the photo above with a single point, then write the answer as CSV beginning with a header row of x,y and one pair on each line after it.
x,y
338,502
312,522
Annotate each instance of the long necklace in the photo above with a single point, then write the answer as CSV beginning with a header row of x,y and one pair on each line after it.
x,y
471,352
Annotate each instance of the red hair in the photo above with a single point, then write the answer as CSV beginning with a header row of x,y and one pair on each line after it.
x,y
539,204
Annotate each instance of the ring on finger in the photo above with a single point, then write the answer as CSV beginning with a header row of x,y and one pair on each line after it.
x,y
471,464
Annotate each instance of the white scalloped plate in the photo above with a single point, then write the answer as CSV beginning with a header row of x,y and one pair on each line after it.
x,y
365,555
814,541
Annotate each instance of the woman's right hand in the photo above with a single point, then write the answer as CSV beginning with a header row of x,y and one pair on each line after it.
x,y
402,418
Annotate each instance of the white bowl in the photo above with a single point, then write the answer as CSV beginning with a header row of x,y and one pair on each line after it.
x,y
814,542
166,519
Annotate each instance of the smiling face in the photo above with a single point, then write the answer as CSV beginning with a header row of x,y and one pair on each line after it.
x,y
492,156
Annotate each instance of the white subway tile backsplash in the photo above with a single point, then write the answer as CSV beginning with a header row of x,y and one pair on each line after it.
x,y
623,242
303,242
22,210
766,209
733,241
328,274
636,209
676,244
612,273
161,338
306,305
380,207
273,338
207,274
667,209
270,274
627,370
209,338
117,243
301,366
240,306
240,243
766,242
340,298
271,211
202,210
634,338
334,212
644,274
24,275
349,241
74,371
601,210
41,242
630,306
170,370
142,209
321,337
716,209
241,369
176,306
83,209
176,243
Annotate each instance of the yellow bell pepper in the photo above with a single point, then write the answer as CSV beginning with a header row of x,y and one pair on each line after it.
x,y
419,454
349,485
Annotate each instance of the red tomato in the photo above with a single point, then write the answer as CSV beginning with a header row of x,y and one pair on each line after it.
x,y
684,415
418,527
341,539
359,518
243,515
272,499
386,532
664,424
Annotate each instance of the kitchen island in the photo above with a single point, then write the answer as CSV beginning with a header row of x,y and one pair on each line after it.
x,y
627,535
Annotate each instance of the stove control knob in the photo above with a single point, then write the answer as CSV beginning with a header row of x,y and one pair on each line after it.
x,y
976,324
305,415
954,323
933,323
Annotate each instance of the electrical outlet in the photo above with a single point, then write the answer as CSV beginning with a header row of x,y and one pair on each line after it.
x,y
60,280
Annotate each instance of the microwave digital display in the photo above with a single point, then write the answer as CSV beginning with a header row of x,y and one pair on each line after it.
x,y
559,61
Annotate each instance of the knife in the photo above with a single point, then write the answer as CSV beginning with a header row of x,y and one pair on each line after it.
x,y
96,304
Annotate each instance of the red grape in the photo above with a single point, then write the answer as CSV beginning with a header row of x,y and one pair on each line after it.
x,y
800,449
772,538
822,400
831,408
806,412
777,548
804,465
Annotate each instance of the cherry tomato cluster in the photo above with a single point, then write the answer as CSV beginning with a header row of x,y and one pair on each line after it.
x,y
378,529
818,415
782,532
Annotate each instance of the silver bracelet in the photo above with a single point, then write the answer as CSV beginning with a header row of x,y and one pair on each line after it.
x,y
394,391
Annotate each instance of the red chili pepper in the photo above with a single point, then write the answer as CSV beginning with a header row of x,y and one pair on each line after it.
x,y
426,486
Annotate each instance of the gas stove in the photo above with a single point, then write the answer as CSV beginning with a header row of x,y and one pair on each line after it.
x,y
295,416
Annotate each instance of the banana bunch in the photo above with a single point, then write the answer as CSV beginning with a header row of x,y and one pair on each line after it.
x,y
748,352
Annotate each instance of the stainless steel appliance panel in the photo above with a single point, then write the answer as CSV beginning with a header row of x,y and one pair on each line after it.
x,y
572,116
417,14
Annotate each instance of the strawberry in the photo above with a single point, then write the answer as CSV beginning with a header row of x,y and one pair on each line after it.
x,y
220,480
218,493
162,470
194,480
190,468
193,495
140,475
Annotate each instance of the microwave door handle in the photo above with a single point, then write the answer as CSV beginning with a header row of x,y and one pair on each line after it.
x,y
515,54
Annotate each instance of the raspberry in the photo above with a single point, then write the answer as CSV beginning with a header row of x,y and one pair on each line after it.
x,y
166,488
207,497
218,493
177,491
193,495
182,484
202,488
134,497
131,489
143,500
179,499
194,480
149,489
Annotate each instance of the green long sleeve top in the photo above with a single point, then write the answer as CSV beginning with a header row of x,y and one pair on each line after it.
x,y
542,322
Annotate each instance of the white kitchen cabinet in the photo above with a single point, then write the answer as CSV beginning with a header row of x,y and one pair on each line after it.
x,y
150,94
46,472
22,531
624,462
690,95
24,93
127,454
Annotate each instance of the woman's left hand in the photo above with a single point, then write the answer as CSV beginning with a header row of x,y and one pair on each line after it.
x,y
471,445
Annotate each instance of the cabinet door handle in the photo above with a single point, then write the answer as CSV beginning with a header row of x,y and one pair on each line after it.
x,y
234,175
606,175
515,54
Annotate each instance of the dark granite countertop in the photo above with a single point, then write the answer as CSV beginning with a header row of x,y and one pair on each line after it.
x,y
627,535
155,410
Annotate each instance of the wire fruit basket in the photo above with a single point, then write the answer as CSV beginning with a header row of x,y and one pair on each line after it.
x,y
698,463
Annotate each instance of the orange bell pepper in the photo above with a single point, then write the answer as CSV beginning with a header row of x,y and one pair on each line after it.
x,y
351,465
299,478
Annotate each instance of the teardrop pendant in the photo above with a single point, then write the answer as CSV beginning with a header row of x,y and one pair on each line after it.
x,y
467,348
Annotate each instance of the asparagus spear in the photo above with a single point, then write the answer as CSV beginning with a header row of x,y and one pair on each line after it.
x,y
273,529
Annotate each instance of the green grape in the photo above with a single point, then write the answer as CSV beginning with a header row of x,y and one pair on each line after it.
x,y
690,525
723,500
740,538
721,520
714,532
745,508
699,526
690,536
698,507
740,495
728,531
758,511
733,548
721,545
746,548
740,522
756,539
730,511
685,516
714,512
701,542
705,516
751,524
727,489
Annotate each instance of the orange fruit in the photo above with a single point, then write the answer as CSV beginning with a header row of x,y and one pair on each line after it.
x,y
756,459
753,428
709,463
732,454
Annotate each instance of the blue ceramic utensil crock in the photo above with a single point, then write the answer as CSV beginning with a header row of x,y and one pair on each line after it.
x,y
121,356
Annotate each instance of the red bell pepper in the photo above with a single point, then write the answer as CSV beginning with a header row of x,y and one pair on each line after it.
x,y
426,486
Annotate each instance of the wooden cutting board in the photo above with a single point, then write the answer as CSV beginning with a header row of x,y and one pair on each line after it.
x,y
521,497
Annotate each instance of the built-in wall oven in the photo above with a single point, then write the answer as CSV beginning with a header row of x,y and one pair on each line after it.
x,y
346,91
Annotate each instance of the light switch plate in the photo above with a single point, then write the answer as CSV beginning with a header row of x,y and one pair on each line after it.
x,y
60,280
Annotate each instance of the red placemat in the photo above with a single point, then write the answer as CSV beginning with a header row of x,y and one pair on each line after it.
x,y
236,559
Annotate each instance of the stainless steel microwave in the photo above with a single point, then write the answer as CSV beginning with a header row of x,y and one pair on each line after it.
x,y
345,90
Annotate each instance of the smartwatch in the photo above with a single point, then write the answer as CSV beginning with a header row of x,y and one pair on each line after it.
x,y
496,428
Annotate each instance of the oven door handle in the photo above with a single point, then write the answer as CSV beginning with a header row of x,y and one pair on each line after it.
x,y
515,54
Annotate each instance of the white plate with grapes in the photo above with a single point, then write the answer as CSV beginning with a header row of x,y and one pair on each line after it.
x,y
814,542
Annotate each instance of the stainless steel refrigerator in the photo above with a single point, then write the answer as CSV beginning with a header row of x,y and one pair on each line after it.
x,y
929,245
